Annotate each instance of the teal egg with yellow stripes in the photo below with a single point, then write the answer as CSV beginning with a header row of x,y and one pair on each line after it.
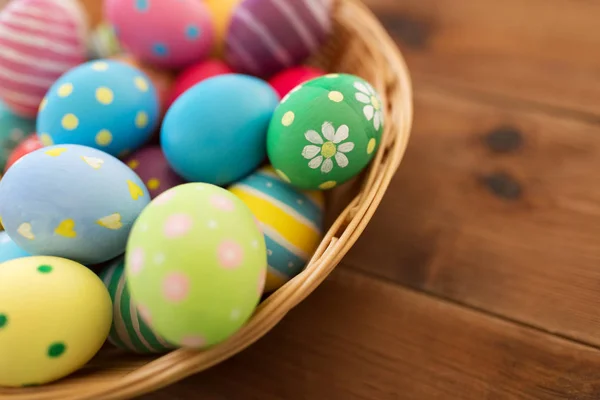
x,y
291,220
128,330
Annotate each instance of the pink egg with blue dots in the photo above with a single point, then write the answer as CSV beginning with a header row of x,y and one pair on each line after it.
x,y
165,33
104,104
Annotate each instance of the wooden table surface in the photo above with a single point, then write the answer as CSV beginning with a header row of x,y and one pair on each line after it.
x,y
479,276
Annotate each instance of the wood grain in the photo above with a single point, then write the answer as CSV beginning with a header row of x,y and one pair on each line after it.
x,y
414,347
497,208
542,51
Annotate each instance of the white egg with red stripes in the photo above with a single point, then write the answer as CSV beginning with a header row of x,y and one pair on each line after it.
x,y
291,220
39,41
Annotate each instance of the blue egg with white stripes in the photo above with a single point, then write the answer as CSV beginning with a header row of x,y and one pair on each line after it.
x,y
9,249
291,220
104,104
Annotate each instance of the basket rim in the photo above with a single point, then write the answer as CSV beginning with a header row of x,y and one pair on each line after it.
x,y
343,233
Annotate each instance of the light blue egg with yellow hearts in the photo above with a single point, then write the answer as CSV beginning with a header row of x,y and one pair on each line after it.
x,y
104,104
9,249
13,130
291,220
216,131
71,201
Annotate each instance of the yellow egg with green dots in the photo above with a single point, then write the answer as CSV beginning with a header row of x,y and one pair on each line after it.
x,y
55,314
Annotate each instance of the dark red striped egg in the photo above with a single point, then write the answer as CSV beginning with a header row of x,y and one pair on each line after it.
x,y
268,36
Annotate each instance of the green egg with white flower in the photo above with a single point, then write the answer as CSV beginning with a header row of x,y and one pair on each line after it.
x,y
326,131
196,265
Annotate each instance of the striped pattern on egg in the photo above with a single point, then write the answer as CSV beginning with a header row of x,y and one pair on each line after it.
x,y
267,36
291,220
128,331
39,41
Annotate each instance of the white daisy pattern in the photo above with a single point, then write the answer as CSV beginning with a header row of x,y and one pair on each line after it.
x,y
372,109
327,147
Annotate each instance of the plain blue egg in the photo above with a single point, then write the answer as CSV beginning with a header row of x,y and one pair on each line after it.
x,y
71,201
9,249
104,104
216,131
13,130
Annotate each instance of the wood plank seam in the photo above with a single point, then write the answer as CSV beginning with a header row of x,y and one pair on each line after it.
x,y
357,270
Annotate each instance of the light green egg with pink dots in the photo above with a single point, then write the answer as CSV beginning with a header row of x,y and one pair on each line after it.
x,y
196,264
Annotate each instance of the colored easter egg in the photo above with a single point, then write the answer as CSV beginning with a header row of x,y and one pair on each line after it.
x,y
165,33
267,36
9,249
291,220
128,330
196,264
41,40
103,42
71,201
285,81
13,130
196,74
103,104
55,315
221,12
161,79
152,167
325,131
224,139
29,145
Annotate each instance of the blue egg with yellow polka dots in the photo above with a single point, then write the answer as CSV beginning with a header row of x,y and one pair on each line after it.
x,y
104,104
291,220
9,249
71,201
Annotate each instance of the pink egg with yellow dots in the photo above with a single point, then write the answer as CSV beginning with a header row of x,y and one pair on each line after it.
x,y
164,33
39,40
152,167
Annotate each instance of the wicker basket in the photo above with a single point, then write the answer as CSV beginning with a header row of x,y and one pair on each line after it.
x,y
360,46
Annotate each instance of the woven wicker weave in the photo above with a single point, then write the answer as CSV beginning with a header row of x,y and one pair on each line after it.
x,y
360,46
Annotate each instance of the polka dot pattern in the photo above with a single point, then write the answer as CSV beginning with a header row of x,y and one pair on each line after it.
x,y
185,37
56,350
65,90
288,118
141,119
176,287
104,95
230,254
338,121
221,268
70,122
104,138
44,269
50,351
177,225
125,107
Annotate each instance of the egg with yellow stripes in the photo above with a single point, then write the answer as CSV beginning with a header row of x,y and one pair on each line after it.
x,y
291,220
